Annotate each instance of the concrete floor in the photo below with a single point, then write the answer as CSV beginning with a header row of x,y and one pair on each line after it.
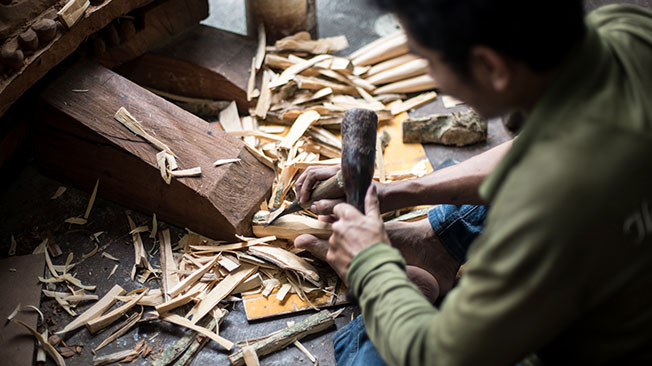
x,y
29,214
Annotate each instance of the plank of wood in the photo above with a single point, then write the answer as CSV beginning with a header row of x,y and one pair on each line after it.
x,y
278,340
181,321
299,127
96,324
189,66
59,47
79,142
222,290
94,311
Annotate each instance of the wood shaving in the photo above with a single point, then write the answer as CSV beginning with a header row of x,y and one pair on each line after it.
x,y
91,201
60,191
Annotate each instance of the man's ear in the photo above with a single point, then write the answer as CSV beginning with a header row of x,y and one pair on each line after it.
x,y
490,68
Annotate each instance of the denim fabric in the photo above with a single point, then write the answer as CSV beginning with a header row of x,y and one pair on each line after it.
x,y
353,347
457,226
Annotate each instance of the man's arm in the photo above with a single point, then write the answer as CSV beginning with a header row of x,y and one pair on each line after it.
x,y
457,184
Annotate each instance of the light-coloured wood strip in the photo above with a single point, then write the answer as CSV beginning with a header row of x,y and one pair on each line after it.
x,y
299,127
97,324
190,280
414,102
176,302
181,321
411,85
222,290
94,311
229,119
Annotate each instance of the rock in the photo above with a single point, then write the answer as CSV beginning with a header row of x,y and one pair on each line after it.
x,y
456,129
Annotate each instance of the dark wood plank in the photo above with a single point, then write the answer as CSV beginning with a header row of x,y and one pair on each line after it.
x,y
203,62
78,141
15,82
156,24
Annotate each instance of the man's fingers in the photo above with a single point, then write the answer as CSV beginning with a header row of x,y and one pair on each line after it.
x,y
325,206
371,206
345,211
318,247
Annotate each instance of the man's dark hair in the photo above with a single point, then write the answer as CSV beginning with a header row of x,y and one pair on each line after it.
x,y
541,33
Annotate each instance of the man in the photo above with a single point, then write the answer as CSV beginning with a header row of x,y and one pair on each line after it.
x,y
561,271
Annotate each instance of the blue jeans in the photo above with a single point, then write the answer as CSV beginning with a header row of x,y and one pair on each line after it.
x,y
456,227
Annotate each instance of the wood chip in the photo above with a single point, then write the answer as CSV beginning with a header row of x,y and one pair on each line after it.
x,y
44,342
109,256
97,309
221,162
450,102
13,314
299,127
181,321
12,247
114,357
265,98
91,201
123,116
260,51
282,293
190,280
94,325
305,351
115,267
152,233
229,119
414,102
251,84
72,12
176,302
124,328
222,290
250,356
286,260
91,253
192,172
58,193
75,221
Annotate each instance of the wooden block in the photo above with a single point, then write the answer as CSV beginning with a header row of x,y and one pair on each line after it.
x,y
79,142
191,67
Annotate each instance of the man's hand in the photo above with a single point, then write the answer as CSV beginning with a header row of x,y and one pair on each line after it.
x,y
353,232
307,182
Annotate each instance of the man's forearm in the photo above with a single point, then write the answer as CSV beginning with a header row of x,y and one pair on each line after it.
x,y
456,184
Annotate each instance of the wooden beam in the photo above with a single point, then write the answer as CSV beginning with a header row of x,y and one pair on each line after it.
x,y
191,67
79,142
156,25
53,48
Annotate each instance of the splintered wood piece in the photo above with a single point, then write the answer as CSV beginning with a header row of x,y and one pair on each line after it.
x,y
254,281
265,98
58,193
260,156
44,342
114,357
251,84
281,339
282,293
450,102
75,221
181,321
221,162
190,280
389,48
375,44
97,324
94,311
412,68
286,260
152,234
305,351
124,328
411,85
176,302
228,264
91,200
123,116
260,50
300,126
192,172
72,11
290,226
109,256
140,257
314,83
250,356
222,290
292,71
169,279
414,102
229,119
